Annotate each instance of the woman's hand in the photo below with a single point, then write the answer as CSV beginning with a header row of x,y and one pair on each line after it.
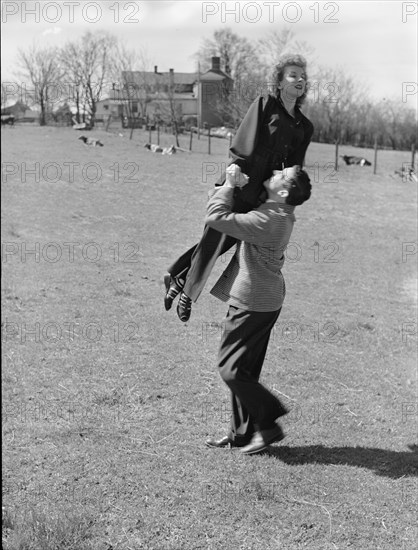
x,y
291,172
234,177
286,173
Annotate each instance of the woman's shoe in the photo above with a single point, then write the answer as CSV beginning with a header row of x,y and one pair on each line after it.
x,y
173,288
184,307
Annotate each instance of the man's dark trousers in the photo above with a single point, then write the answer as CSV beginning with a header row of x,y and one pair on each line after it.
x,y
242,351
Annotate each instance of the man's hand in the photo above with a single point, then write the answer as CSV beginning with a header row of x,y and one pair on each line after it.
x,y
234,177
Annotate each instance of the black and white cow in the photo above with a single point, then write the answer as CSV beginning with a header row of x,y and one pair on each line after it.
x,y
163,150
356,160
7,119
92,142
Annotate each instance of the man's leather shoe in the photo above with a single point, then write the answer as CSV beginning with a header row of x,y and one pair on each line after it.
x,y
262,439
223,442
172,290
184,308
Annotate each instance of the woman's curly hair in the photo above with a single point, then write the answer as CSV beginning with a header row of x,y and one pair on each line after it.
x,y
278,72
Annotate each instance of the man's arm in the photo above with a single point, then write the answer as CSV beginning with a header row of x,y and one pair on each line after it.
x,y
252,227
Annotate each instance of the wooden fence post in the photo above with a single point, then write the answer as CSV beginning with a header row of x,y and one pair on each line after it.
x,y
191,139
150,134
158,134
375,155
336,154
108,122
412,154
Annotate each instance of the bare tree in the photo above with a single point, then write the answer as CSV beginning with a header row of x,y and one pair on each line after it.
x,y
240,61
273,45
238,56
71,60
174,114
4,94
248,65
41,68
276,43
132,84
89,62
397,124
333,101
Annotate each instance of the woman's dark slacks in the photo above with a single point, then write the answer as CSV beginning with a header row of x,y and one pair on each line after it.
x,y
242,351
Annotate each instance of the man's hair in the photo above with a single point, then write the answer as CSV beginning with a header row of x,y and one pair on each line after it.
x,y
300,189
278,72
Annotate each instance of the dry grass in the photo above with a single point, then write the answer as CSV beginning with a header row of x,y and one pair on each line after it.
x,y
107,399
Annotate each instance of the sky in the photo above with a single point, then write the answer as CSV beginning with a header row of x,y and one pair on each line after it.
x,y
374,41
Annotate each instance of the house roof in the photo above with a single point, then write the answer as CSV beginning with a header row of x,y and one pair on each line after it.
x,y
153,78
214,75
19,106
165,97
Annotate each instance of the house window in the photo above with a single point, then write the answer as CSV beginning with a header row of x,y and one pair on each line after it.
x,y
106,107
134,106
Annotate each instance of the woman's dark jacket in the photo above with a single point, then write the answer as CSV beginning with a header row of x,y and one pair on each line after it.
x,y
268,139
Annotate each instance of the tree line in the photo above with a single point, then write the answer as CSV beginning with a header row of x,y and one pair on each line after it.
x,y
83,71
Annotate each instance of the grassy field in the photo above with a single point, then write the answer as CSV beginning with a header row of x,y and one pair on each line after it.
x,y
108,399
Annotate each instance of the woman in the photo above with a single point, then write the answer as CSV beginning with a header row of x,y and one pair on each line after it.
x,y
273,135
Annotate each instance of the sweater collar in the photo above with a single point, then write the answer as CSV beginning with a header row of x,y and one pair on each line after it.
x,y
283,209
298,114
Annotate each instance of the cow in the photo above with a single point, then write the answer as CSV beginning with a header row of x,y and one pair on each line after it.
x,y
355,160
407,173
8,119
163,150
91,141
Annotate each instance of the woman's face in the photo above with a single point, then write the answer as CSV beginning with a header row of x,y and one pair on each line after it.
x,y
293,83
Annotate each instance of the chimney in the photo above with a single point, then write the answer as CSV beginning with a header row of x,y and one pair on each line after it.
x,y
155,69
216,63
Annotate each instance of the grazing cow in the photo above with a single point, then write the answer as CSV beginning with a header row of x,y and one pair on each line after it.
x,y
163,150
356,160
407,173
8,119
91,141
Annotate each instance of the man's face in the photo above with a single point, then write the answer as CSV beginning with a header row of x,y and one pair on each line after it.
x,y
293,84
278,187
281,182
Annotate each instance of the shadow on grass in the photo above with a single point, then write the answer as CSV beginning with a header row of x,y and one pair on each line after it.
x,y
384,463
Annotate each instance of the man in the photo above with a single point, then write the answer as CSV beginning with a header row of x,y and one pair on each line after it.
x,y
273,134
253,287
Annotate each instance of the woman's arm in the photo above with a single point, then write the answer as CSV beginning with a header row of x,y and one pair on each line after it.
x,y
246,139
